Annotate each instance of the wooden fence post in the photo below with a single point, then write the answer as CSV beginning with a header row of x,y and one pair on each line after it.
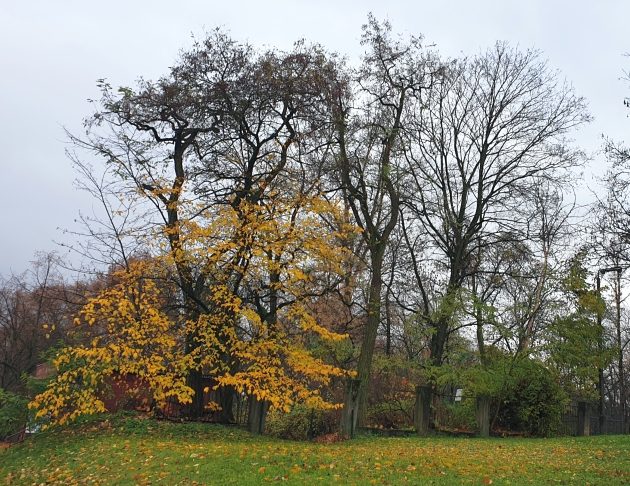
x,y
422,411
583,419
483,415
257,415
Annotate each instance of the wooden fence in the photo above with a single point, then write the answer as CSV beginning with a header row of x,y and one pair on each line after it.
x,y
581,418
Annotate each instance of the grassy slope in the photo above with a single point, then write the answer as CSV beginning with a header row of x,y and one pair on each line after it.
x,y
136,451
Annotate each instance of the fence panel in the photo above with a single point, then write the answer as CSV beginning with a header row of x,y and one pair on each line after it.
x,y
613,421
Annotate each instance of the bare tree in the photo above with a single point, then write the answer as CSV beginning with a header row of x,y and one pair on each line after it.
x,y
489,134
36,311
369,112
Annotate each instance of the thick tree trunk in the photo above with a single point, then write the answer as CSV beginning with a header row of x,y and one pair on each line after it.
x,y
438,341
388,324
528,332
442,322
481,345
350,412
480,342
195,381
620,363
258,408
583,419
225,399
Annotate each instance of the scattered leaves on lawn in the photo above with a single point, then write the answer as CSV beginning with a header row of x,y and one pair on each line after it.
x,y
205,454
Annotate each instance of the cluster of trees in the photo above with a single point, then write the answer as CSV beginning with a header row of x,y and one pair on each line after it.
x,y
36,312
276,221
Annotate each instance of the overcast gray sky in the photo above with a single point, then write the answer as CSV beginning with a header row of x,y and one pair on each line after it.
x,y
52,53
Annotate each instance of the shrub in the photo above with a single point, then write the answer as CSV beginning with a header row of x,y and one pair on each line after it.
x,y
35,386
534,401
526,395
13,413
392,397
301,423
456,415
395,413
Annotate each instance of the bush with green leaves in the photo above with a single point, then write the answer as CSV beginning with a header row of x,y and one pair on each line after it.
x,y
526,395
458,416
13,413
392,396
301,423
533,401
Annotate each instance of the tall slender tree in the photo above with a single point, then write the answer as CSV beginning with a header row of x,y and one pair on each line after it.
x,y
369,113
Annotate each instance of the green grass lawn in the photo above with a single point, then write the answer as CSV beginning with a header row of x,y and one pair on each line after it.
x,y
124,450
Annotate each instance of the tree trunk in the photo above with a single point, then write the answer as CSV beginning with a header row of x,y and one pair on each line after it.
x,y
438,340
225,399
364,365
388,325
620,364
583,419
481,345
195,381
350,412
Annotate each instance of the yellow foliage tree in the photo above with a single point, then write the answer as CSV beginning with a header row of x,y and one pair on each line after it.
x,y
292,251
256,337
133,337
